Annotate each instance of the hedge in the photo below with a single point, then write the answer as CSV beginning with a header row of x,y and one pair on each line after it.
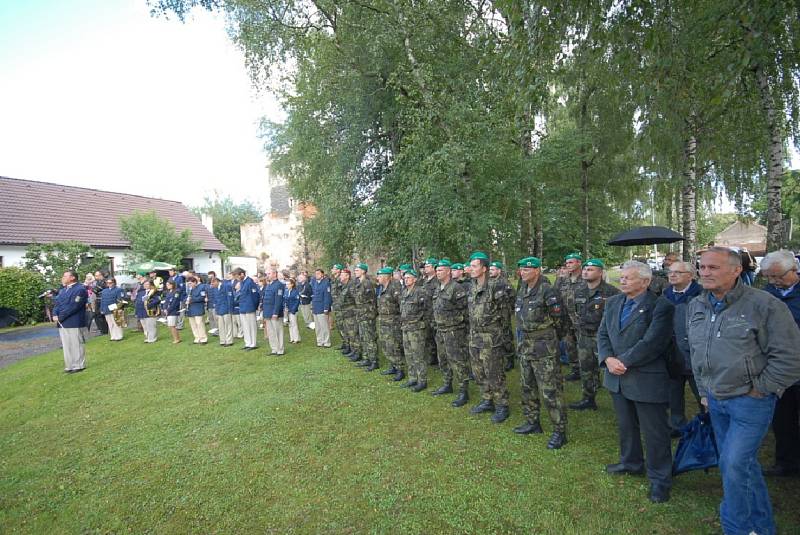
x,y
20,290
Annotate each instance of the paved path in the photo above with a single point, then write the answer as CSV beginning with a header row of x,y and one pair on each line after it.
x,y
18,344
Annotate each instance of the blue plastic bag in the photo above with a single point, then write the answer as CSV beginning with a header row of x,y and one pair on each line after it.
x,y
697,448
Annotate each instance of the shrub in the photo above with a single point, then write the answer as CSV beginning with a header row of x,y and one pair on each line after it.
x,y
20,290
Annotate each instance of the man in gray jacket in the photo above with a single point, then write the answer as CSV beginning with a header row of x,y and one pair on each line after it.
x,y
745,351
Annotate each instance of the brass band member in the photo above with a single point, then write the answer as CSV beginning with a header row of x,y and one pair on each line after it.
x,y
112,305
147,310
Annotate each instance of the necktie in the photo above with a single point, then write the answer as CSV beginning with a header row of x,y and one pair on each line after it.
x,y
627,309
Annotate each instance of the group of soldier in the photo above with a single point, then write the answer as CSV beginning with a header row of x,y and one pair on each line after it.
x,y
459,316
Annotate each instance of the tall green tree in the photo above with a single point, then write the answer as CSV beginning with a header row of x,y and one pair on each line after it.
x,y
228,217
154,238
53,259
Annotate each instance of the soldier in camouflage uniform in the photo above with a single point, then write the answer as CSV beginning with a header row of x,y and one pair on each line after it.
x,y
566,287
496,272
390,335
590,302
414,318
450,315
485,303
539,315
346,316
336,286
366,312
430,284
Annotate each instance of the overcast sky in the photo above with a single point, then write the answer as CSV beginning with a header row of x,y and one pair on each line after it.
x,y
99,94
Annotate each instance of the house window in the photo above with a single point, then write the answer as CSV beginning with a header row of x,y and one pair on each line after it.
x,y
188,263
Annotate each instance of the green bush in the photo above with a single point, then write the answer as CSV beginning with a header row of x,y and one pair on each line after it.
x,y
20,290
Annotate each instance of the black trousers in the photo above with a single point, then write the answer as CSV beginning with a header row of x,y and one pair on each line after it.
x,y
100,321
786,426
635,418
677,400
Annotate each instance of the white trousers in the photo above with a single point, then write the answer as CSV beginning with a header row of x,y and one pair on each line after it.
x,y
249,328
294,331
150,329
275,330
212,318
305,310
225,326
237,326
73,340
323,330
114,331
198,325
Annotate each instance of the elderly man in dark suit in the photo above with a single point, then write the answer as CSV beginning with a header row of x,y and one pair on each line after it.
x,y
633,336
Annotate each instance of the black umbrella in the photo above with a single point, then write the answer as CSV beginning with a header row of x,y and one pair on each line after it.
x,y
646,236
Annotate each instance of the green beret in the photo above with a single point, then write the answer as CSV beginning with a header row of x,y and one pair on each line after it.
x,y
386,270
498,264
412,272
362,266
478,255
457,266
403,267
529,262
576,256
432,260
444,263
595,262
338,266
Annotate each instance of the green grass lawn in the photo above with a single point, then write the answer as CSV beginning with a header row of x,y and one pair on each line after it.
x,y
202,439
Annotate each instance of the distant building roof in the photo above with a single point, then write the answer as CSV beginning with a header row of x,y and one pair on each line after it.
x,y
43,212
747,235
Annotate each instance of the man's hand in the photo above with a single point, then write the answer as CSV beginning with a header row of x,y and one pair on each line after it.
x,y
704,402
274,316
615,366
755,393
55,319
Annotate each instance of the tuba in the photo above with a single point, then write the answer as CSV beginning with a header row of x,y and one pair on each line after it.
x,y
119,312
156,310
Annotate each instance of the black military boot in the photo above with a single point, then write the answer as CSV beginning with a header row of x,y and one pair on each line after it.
x,y
500,414
399,375
345,350
586,404
354,357
373,365
463,397
409,384
528,427
391,371
422,385
362,363
557,440
574,375
485,405
446,388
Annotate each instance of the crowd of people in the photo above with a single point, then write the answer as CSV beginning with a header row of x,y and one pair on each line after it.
x,y
734,345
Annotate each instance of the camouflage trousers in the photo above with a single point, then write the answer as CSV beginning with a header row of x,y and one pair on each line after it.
x,y
390,337
414,346
430,344
570,340
453,355
508,337
368,338
540,374
348,327
590,370
486,358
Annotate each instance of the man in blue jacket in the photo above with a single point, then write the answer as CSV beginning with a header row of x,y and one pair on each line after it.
x,y
223,307
180,287
321,307
69,315
272,310
248,298
780,269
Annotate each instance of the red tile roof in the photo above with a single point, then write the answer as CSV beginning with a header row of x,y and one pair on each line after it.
x,y
42,212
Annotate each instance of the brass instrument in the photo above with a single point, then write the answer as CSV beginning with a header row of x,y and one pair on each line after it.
x,y
156,310
119,312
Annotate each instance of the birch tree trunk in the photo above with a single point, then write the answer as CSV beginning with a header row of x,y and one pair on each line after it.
x,y
689,200
775,233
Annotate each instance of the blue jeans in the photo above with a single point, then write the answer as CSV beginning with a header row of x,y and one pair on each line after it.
x,y
740,425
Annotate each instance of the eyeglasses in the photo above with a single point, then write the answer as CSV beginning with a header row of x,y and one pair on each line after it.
x,y
678,272
778,277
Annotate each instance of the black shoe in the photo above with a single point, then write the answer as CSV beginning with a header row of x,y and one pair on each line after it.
x,y
619,469
362,363
399,376
420,387
446,388
250,348
391,371
658,494
500,414
373,365
409,384
355,357
675,433
79,370
574,376
345,350
557,440
780,470
586,404
484,406
461,400
529,427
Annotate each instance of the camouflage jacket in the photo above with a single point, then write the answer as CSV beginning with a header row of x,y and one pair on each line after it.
x,y
414,308
365,298
566,288
336,293
389,301
486,302
590,304
347,298
450,307
538,309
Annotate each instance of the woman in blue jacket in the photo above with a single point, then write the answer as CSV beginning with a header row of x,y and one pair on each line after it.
x,y
146,303
196,309
172,307
293,305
